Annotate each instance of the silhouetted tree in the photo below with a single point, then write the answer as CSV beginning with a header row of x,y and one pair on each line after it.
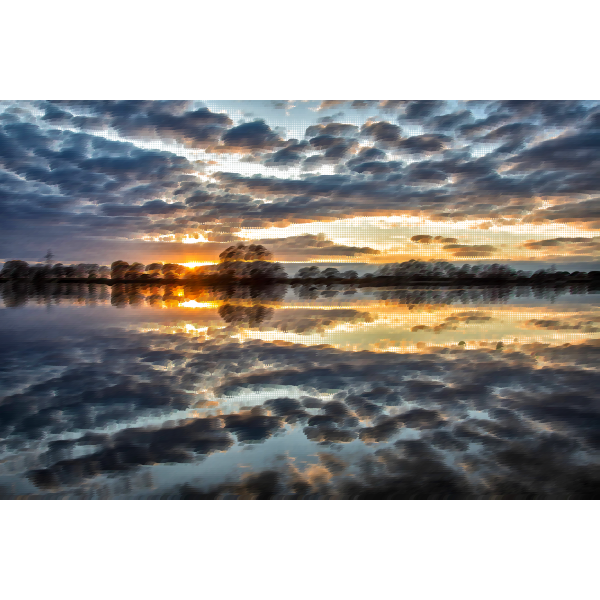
x,y
173,271
308,272
154,267
58,271
92,270
330,273
80,270
39,272
134,271
118,269
245,316
349,275
249,262
15,269
241,252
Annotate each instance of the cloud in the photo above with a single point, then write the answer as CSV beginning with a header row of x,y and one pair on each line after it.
x,y
330,118
576,152
327,104
551,112
382,131
311,321
429,239
392,105
255,136
476,250
451,121
514,136
61,185
148,119
449,324
292,154
419,109
570,246
333,129
312,245
426,143
587,326
483,124
335,147
363,104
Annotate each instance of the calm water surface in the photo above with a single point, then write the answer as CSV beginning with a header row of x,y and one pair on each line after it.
x,y
298,392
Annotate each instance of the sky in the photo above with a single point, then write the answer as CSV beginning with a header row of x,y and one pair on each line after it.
x,y
357,181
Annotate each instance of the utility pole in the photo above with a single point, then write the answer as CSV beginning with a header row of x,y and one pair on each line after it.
x,y
48,258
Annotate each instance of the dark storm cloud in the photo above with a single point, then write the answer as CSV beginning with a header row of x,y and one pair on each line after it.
x,y
368,154
451,121
333,129
569,152
331,118
373,161
56,115
292,154
426,143
420,109
382,131
551,112
151,119
253,425
289,409
330,195
339,151
483,124
49,173
326,142
376,167
154,207
255,136
392,105
520,130
133,448
513,137
417,174
592,121
587,210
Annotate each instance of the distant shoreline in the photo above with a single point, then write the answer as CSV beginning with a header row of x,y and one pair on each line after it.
x,y
374,281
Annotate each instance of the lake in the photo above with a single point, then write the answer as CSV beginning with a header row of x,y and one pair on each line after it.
x,y
298,392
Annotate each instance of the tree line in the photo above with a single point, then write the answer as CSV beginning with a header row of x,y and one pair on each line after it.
x,y
238,262
417,270
255,262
